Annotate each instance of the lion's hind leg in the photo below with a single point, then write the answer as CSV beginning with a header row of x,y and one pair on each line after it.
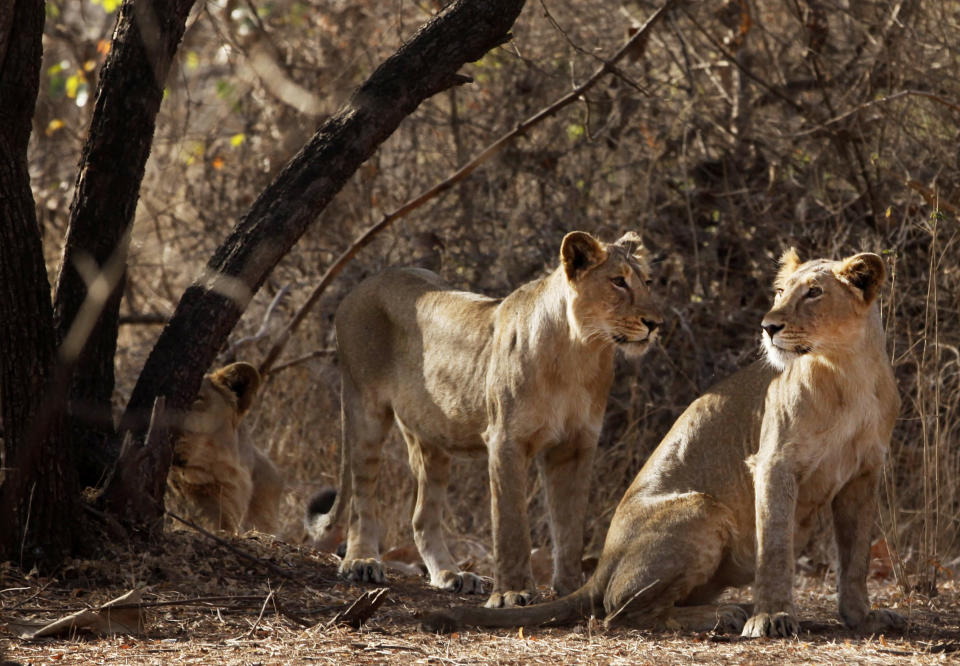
x,y
365,426
673,548
432,470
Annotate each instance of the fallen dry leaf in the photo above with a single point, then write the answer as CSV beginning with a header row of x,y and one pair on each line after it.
x,y
103,621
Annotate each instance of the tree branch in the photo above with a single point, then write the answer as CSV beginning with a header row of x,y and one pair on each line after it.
x,y
129,94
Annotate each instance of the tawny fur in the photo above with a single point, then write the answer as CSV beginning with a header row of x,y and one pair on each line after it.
x,y
218,475
516,379
730,494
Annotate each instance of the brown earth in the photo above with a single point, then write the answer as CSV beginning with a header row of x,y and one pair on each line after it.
x,y
205,603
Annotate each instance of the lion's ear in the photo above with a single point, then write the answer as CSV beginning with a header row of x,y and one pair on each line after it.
x,y
789,263
632,243
865,271
241,379
580,252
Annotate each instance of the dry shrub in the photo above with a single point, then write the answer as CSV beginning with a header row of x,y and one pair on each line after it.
x,y
746,127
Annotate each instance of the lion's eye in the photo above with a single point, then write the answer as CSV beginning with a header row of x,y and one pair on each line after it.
x,y
619,281
779,293
814,292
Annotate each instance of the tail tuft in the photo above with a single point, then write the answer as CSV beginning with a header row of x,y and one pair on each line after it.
x,y
318,519
322,502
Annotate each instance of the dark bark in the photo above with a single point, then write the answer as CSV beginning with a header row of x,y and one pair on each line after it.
x,y
210,308
129,94
39,488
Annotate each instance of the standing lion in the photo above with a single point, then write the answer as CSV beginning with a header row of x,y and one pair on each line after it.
x,y
517,379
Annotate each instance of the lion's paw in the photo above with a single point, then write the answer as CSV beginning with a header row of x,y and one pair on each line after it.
x,y
877,621
365,570
731,619
459,582
510,599
773,625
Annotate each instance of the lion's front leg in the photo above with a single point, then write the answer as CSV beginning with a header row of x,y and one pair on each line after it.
x,y
566,470
775,488
854,509
513,578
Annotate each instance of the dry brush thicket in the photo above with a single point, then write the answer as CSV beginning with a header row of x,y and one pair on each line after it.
x,y
745,127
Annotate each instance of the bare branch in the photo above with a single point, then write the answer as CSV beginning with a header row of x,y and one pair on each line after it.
x,y
318,353
262,332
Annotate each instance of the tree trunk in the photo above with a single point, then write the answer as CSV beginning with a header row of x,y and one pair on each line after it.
x,y
210,308
38,499
105,198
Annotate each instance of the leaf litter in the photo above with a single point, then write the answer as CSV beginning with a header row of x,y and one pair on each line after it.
x,y
196,601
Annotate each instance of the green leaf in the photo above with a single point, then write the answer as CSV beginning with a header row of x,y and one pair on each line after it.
x,y
575,131
73,83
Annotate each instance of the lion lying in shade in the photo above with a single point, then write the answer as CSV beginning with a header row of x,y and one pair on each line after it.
x,y
218,476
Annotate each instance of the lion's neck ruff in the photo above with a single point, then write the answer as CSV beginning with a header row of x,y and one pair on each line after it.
x,y
554,319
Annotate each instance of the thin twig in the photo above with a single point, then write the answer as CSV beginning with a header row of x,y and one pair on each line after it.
x,y
612,616
263,609
634,43
736,63
238,601
263,331
26,522
883,100
317,353
616,71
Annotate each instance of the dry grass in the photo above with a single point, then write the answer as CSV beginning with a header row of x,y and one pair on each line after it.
x,y
255,616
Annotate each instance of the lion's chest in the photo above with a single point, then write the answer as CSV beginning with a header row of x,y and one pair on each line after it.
x,y
829,451
554,416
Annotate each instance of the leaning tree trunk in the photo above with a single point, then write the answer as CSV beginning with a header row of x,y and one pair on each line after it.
x,y
210,308
38,498
108,183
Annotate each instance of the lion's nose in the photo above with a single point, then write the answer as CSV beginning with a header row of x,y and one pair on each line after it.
x,y
651,324
772,329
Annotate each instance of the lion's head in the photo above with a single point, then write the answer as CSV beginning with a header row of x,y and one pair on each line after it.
x,y
820,306
218,476
611,287
209,445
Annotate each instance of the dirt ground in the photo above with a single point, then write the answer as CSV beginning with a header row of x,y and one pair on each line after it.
x,y
206,603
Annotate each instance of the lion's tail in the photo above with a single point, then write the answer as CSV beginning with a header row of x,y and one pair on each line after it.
x,y
575,606
325,509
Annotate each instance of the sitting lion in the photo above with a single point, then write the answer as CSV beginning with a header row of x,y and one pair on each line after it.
x,y
520,378
228,482
730,494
